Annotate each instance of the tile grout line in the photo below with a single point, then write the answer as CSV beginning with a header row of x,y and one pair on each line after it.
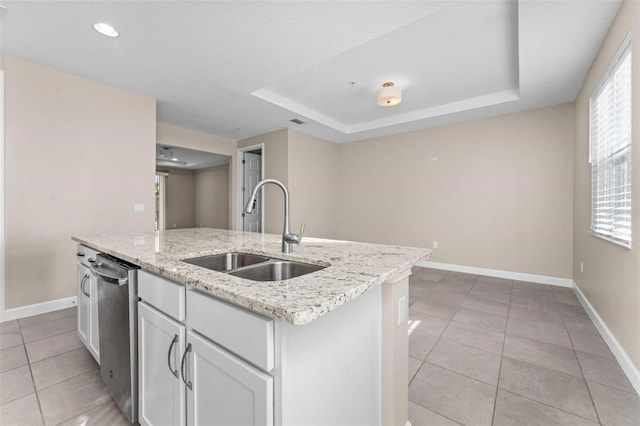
x,y
632,392
533,400
425,362
575,353
504,340
35,389
451,371
58,354
556,305
46,337
550,406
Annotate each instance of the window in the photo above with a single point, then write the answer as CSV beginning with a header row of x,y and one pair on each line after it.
x,y
610,153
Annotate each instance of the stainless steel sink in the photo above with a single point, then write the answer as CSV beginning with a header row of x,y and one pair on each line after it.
x,y
226,261
275,270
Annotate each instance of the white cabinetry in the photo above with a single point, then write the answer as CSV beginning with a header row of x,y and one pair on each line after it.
x,y
83,304
160,391
237,367
224,390
88,329
176,365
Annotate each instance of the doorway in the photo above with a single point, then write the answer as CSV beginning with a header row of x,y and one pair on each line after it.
x,y
161,206
250,172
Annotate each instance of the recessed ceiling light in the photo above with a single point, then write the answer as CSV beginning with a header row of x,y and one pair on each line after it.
x,y
105,29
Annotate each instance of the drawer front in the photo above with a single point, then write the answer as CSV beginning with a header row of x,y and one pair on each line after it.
x,y
84,253
164,295
244,333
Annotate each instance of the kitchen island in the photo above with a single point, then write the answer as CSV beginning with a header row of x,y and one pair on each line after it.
x,y
335,345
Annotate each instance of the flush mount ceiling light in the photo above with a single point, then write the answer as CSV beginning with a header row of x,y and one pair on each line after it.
x,y
389,95
105,29
167,154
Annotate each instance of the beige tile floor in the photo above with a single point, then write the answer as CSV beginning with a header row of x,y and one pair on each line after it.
x,y
490,351
483,351
48,377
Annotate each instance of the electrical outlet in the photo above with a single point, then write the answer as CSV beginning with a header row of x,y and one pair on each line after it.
x,y
581,266
435,244
138,208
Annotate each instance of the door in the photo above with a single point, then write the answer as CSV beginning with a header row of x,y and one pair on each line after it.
x,y
224,389
161,393
83,303
94,329
252,175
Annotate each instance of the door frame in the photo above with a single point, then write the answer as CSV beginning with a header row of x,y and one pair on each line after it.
x,y
240,179
2,192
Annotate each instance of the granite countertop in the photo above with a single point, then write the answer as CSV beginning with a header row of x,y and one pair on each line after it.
x,y
351,268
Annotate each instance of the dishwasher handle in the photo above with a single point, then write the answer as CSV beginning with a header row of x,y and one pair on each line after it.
x,y
111,279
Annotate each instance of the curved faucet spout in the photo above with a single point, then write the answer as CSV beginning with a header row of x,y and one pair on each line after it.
x,y
287,237
248,208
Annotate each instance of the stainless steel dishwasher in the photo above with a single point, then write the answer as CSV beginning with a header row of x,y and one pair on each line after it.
x,y
118,313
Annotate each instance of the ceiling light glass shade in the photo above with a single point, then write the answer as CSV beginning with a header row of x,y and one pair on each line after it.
x,y
105,29
389,95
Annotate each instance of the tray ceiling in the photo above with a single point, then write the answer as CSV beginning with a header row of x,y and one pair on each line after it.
x,y
242,68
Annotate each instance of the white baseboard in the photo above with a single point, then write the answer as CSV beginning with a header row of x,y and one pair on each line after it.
x,y
621,355
38,308
519,276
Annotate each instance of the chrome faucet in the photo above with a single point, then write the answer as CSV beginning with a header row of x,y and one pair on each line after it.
x,y
287,237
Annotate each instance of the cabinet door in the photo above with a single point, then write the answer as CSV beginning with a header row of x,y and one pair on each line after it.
x,y
94,330
161,393
224,389
83,303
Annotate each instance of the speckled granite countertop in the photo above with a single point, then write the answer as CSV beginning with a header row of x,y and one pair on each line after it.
x,y
352,268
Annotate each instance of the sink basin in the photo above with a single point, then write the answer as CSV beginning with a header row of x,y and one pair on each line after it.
x,y
226,261
276,270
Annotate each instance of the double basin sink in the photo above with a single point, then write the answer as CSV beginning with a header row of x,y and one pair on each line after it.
x,y
254,267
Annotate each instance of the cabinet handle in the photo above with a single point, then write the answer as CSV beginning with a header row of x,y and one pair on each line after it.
x,y
85,285
182,367
82,285
173,342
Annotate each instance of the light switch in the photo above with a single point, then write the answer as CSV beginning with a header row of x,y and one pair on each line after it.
x,y
138,208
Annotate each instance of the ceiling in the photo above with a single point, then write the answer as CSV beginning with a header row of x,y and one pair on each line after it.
x,y
243,68
190,159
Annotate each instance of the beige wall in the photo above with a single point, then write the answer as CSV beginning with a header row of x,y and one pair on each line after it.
x,y
611,277
313,167
276,154
307,166
181,199
168,134
212,197
495,193
78,156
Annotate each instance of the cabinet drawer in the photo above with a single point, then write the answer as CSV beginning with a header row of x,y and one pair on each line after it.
x,y
162,294
84,253
245,333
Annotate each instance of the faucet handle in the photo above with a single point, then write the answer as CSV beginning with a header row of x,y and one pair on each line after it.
x,y
304,225
294,238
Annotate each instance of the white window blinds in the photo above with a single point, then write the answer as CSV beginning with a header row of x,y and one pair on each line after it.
x,y
611,152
